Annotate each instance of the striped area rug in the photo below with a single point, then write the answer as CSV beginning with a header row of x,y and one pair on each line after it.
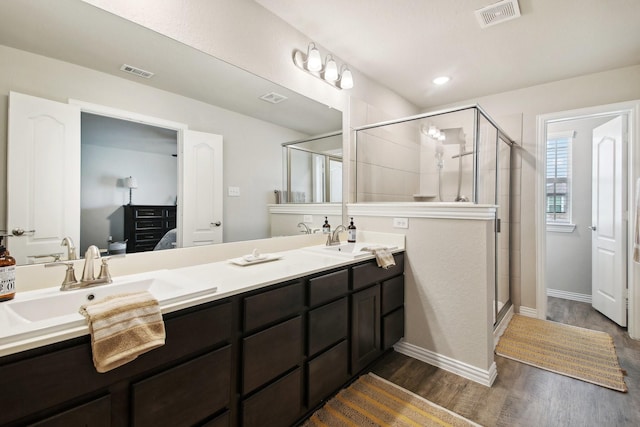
x,y
578,353
374,401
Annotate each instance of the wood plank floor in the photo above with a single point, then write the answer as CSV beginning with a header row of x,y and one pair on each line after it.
x,y
526,396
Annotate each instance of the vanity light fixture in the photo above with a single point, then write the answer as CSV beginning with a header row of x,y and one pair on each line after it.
x,y
130,183
329,72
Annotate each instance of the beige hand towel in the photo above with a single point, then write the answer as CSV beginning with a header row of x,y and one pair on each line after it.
x,y
123,327
384,258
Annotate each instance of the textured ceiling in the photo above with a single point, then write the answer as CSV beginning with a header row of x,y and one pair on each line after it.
x,y
404,44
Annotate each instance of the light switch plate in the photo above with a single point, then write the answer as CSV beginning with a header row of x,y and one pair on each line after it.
x,y
234,192
307,219
400,222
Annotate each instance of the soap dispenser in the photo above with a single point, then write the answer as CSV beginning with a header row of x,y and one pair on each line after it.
x,y
351,232
326,228
7,273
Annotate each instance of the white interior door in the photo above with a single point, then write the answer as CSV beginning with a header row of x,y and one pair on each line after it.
x,y
200,201
43,177
609,244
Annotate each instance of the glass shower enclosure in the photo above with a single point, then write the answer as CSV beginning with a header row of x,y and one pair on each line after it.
x,y
458,155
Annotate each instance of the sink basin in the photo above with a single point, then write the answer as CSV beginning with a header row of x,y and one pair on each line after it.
x,y
55,304
346,250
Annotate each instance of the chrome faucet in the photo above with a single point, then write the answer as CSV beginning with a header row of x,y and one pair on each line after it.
x,y
306,230
333,238
71,249
88,276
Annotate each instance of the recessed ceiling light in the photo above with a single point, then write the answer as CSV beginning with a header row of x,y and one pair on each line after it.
x,y
441,80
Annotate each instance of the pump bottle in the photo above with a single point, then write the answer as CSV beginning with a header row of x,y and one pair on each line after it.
x,y
351,232
7,273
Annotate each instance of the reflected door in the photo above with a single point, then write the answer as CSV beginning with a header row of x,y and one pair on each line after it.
x,y
201,189
43,177
608,250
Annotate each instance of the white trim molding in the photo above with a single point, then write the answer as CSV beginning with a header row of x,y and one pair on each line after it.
x,y
481,376
561,228
527,311
573,296
500,328
424,210
306,209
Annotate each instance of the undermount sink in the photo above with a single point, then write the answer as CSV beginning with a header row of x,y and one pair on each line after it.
x,y
55,304
347,250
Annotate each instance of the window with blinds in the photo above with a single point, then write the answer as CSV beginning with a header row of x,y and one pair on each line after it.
x,y
558,180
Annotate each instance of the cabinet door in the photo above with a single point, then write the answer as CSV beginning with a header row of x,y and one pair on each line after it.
x,y
365,320
96,413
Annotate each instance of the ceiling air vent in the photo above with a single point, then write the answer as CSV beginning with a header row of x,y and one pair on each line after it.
x,y
273,97
497,13
136,71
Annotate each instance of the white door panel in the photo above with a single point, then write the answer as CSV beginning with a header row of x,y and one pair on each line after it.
x,y
609,253
43,176
201,207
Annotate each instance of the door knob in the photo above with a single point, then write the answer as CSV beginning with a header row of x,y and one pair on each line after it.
x,y
19,231
217,223
592,227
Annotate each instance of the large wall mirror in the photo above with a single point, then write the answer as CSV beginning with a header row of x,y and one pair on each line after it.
x,y
70,52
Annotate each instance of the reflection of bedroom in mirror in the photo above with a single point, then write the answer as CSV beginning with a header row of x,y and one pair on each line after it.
x,y
113,150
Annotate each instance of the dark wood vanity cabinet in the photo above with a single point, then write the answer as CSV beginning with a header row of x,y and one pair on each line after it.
x,y
268,357
144,225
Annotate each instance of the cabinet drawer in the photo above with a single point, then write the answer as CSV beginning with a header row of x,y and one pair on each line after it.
x,y
170,213
170,224
271,352
327,287
269,306
186,394
278,405
392,294
369,273
328,325
392,328
148,224
148,235
328,372
148,212
95,413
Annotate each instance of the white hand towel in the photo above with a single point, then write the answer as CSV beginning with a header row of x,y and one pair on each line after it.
x,y
123,327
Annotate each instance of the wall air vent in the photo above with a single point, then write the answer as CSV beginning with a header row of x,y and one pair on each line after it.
x,y
497,13
273,97
136,71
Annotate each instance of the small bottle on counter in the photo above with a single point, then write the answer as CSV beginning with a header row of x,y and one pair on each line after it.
x,y
7,274
326,228
351,232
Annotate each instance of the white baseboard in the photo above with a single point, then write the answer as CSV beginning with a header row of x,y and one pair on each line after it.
x,y
499,330
527,311
462,369
573,296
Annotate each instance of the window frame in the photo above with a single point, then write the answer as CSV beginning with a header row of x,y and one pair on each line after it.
x,y
563,225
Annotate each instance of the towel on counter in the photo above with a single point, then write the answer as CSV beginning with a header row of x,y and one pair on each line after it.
x,y
123,327
636,239
384,258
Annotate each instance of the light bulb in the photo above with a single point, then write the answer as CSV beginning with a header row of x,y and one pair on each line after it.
x,y
346,81
330,70
442,136
432,130
314,61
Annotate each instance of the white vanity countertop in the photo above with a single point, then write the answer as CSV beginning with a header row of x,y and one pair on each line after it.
x,y
209,282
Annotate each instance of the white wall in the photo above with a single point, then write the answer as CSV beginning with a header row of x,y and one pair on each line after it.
x,y
252,151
